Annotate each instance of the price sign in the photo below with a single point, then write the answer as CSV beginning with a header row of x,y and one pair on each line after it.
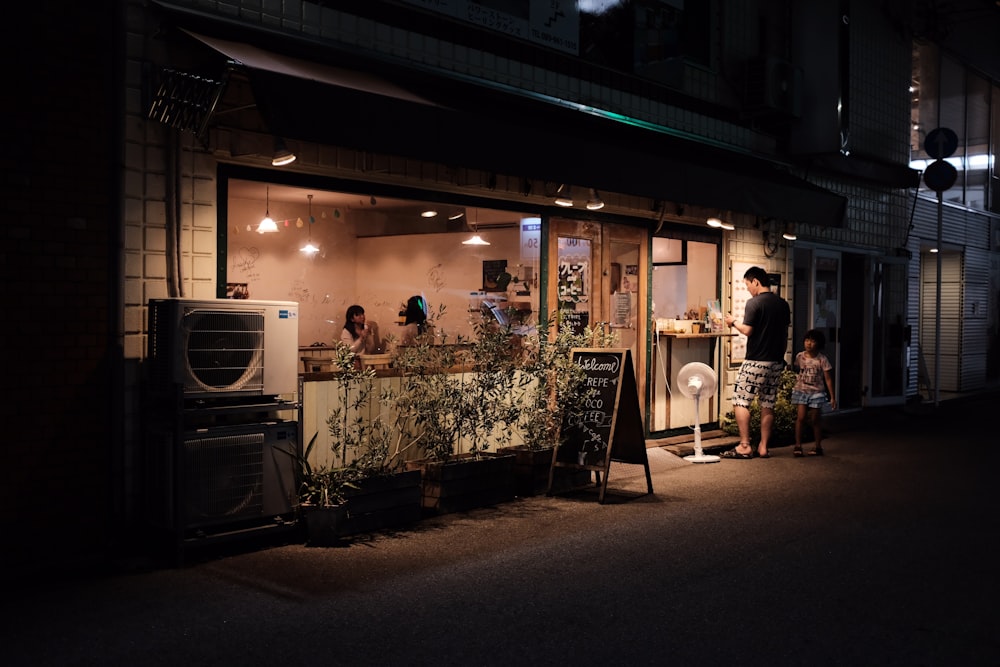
x,y
531,238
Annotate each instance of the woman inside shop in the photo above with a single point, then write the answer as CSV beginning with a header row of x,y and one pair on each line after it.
x,y
415,322
360,335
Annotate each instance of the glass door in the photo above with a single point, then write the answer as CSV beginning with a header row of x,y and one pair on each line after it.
x,y
601,278
826,302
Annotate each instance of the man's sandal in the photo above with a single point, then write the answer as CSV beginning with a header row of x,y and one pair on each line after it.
x,y
816,451
797,452
733,454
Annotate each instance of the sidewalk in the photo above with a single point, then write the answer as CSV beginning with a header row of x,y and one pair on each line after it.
x,y
882,552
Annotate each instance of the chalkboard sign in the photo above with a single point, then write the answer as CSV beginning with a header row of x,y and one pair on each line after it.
x,y
610,428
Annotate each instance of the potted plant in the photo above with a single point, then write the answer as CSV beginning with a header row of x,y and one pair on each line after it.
x,y
457,400
321,498
368,450
556,392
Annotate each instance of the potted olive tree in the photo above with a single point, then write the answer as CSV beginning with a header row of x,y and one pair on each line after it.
x,y
457,398
369,446
556,391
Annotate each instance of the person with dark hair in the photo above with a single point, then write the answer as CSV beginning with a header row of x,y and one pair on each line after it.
x,y
815,379
415,320
765,324
359,334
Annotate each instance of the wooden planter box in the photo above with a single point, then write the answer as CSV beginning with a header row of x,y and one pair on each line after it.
x,y
465,482
386,501
531,472
323,524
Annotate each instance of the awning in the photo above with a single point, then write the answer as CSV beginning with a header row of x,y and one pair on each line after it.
x,y
459,122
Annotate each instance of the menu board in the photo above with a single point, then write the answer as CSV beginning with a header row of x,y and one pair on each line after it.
x,y
740,295
610,428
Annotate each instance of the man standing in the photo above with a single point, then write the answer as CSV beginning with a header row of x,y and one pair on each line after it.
x,y
765,324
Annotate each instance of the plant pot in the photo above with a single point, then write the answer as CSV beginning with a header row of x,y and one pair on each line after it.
x,y
323,524
385,501
531,472
465,481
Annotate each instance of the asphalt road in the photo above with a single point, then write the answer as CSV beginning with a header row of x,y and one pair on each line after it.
x,y
882,552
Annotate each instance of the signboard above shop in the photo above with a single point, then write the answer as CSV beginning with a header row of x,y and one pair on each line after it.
x,y
552,23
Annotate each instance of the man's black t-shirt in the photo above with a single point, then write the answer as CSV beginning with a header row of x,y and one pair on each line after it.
x,y
769,315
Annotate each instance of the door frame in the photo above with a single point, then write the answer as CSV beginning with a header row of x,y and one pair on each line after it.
x,y
601,235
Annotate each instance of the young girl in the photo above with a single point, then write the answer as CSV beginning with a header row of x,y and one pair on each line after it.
x,y
811,387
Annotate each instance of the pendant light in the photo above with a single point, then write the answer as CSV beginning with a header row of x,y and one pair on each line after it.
x,y
475,239
309,249
267,225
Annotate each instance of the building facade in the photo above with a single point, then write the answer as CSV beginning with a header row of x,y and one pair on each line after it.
x,y
760,115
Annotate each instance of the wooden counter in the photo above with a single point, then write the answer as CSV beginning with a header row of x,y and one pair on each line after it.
x,y
670,408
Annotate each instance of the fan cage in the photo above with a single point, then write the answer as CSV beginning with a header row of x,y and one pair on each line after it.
x,y
224,351
223,478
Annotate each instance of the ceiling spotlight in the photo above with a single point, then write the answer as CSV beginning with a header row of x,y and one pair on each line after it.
x,y
728,226
789,233
714,222
594,201
564,195
282,155
456,215
267,225
429,213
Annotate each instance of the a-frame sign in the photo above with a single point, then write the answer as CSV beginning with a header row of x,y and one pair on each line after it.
x,y
610,428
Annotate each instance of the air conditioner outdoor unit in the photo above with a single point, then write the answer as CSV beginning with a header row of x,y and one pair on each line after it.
x,y
773,86
215,478
224,348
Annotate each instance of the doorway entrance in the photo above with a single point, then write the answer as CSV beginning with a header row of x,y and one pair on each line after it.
x,y
600,278
822,279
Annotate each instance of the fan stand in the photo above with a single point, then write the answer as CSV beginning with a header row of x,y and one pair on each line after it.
x,y
699,456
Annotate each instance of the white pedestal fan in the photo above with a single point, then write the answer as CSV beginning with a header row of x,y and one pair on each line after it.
x,y
696,380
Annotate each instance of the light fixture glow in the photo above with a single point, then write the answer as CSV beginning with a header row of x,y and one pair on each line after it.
x,y
429,213
564,195
476,239
789,233
282,155
456,215
714,222
267,225
309,249
728,226
594,201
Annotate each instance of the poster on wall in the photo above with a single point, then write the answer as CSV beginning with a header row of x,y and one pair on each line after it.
x,y
739,296
630,281
621,310
573,281
495,276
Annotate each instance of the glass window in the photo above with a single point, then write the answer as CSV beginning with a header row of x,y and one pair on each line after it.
x,y
952,115
377,252
924,106
978,143
646,37
993,169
